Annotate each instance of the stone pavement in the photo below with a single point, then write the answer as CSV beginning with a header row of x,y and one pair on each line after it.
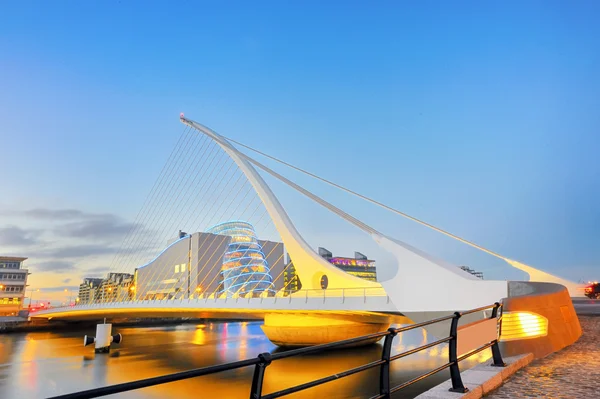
x,y
573,372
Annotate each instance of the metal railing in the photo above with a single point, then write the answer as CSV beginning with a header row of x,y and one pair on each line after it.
x,y
337,294
262,361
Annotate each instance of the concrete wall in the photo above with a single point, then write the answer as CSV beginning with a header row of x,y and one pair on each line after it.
x,y
206,266
551,301
158,278
274,254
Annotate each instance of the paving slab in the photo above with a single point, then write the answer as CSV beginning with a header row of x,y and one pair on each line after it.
x,y
480,380
573,372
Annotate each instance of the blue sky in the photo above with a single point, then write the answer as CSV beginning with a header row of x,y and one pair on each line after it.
x,y
478,117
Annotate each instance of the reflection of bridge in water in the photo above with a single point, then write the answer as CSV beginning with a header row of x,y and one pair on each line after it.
x,y
331,304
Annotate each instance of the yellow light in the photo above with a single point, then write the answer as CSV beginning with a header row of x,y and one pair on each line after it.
x,y
132,288
523,325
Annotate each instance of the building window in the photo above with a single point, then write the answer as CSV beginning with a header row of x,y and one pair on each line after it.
x,y
176,268
182,267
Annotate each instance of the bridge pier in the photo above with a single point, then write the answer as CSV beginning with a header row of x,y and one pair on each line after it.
x,y
302,329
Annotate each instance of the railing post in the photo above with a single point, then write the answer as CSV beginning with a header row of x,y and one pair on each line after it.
x,y
259,375
384,371
497,356
457,384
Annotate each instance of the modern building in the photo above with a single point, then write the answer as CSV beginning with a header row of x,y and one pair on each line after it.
x,y
291,280
88,289
245,270
13,283
202,263
115,287
358,266
473,272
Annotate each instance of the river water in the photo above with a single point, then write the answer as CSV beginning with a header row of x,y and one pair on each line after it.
x,y
43,364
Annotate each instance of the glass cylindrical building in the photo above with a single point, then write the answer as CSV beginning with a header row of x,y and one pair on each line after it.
x,y
245,270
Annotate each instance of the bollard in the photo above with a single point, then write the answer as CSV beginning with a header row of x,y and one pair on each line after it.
x,y
103,338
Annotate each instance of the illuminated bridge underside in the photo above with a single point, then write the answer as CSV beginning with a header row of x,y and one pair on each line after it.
x,y
358,306
289,321
180,311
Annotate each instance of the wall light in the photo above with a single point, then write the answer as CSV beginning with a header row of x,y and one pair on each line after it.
x,y
523,325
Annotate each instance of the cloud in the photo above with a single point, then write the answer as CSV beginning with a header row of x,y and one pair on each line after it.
x,y
55,266
13,236
72,288
99,271
66,281
56,214
101,227
76,251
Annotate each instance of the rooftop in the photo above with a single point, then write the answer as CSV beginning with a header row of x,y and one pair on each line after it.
x,y
12,258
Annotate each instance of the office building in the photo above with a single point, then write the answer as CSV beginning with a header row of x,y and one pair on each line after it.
x,y
358,266
114,287
13,283
88,289
291,281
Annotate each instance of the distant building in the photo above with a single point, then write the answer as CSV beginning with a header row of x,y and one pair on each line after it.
x,y
88,289
473,272
358,266
13,283
291,281
114,287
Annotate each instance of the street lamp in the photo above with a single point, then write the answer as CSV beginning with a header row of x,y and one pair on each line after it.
x,y
31,295
70,295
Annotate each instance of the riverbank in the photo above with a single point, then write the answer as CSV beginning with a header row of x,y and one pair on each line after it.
x,y
20,324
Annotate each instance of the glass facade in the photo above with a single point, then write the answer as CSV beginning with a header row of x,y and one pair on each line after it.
x,y
244,271
10,265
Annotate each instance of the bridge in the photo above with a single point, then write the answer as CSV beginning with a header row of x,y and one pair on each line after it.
x,y
327,304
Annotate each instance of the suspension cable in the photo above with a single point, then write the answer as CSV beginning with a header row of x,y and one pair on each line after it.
x,y
363,197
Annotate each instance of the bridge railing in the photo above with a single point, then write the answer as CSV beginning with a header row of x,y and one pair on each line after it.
x,y
339,294
480,335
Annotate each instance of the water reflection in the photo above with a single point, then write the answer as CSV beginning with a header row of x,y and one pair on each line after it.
x,y
38,365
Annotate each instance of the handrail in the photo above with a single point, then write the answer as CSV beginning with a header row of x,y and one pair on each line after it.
x,y
339,293
262,361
